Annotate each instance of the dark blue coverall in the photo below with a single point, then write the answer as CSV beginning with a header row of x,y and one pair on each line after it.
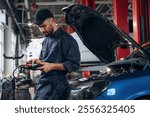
x,y
59,48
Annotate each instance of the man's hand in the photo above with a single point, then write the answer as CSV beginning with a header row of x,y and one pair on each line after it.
x,y
47,67
34,61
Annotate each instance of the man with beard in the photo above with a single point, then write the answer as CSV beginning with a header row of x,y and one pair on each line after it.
x,y
59,55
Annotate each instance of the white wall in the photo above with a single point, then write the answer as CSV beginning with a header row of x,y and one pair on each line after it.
x,y
86,54
2,27
34,48
1,52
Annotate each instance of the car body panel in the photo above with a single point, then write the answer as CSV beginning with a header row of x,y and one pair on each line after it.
x,y
97,33
128,87
123,87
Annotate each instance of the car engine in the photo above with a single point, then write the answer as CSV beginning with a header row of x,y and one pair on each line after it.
x,y
88,88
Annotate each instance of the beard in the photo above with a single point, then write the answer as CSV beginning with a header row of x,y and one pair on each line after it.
x,y
49,34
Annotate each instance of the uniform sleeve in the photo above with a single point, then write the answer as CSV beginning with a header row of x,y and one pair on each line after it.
x,y
72,55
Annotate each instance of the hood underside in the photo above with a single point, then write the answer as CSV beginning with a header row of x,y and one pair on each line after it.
x,y
97,33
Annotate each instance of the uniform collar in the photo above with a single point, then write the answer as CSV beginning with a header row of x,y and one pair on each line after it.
x,y
58,32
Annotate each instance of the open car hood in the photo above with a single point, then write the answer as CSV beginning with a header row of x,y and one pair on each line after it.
x,y
98,34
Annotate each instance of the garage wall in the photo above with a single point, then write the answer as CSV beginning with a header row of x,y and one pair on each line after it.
x,y
1,50
8,41
2,6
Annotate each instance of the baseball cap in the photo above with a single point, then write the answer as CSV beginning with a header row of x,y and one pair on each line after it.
x,y
42,15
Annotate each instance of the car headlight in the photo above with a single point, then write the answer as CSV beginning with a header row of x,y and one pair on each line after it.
x,y
97,88
108,70
88,92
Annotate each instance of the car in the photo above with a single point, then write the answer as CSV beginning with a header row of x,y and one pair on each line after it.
x,y
126,79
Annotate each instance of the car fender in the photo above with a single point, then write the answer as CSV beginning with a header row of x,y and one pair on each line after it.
x,y
127,89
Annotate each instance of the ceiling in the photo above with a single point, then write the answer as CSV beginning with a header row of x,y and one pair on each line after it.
x,y
28,8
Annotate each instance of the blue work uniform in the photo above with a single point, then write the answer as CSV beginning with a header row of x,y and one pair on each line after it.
x,y
61,47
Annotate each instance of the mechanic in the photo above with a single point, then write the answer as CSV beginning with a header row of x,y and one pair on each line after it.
x,y
59,56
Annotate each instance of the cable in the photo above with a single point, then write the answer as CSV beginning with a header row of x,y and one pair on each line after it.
x,y
15,70
146,64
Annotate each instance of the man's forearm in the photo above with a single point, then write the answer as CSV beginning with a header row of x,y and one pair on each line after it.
x,y
58,66
47,67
